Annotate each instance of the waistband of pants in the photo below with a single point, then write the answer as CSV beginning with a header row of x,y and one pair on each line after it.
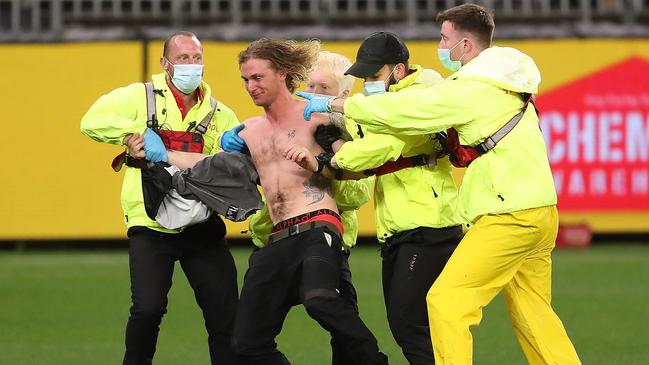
x,y
304,222
439,235
306,217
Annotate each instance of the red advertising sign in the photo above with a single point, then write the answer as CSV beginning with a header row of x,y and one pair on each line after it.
x,y
597,133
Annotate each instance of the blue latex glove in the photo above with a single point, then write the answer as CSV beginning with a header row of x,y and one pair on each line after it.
x,y
317,103
153,147
231,142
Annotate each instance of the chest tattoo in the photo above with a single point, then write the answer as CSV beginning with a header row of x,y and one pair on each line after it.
x,y
316,187
291,134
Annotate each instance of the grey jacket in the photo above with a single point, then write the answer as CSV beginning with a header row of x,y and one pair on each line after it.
x,y
225,183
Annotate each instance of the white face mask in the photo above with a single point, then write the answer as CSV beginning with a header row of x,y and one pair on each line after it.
x,y
187,77
377,87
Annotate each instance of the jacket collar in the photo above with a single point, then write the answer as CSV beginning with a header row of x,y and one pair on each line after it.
x,y
504,67
416,75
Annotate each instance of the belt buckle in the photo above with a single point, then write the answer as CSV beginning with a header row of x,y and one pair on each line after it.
x,y
293,230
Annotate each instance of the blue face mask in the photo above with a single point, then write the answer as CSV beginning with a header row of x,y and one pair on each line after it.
x,y
376,87
187,77
444,55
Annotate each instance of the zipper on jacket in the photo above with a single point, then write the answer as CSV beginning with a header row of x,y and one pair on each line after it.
x,y
501,197
434,192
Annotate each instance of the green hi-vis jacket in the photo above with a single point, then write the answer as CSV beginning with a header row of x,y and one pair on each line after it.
x,y
123,111
349,195
477,100
414,197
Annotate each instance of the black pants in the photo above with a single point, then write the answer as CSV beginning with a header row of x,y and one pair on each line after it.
x,y
347,292
301,269
209,267
412,260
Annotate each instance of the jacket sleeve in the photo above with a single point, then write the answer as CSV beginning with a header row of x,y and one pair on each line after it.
x,y
260,226
352,194
116,114
369,152
225,120
415,111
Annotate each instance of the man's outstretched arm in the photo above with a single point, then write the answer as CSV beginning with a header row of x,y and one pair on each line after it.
x,y
185,160
424,110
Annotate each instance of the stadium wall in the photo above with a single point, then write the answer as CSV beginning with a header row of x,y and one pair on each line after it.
x,y
58,184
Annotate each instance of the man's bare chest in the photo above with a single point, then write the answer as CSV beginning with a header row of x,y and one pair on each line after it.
x,y
273,142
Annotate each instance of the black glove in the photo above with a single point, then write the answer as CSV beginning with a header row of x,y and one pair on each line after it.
x,y
325,135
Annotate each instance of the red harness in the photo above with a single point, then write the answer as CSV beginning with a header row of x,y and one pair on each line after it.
x,y
400,164
462,156
185,141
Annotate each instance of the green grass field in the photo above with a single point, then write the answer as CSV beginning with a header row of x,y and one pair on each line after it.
x,y
70,307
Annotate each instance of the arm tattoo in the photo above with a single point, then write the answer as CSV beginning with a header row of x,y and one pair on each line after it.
x,y
338,120
291,134
316,187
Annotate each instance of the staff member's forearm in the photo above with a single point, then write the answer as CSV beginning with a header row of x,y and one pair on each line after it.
x,y
412,112
337,144
336,174
338,105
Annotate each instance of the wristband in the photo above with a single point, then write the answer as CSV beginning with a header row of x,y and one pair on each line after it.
x,y
323,159
329,104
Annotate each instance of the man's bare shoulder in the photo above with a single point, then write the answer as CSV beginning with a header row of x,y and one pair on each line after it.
x,y
254,126
255,120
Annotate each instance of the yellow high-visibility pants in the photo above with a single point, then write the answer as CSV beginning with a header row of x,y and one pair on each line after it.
x,y
510,251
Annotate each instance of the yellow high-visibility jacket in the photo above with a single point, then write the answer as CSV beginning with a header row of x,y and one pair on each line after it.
x,y
477,100
123,111
349,194
420,196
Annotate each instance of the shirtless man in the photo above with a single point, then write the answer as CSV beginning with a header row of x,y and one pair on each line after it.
x,y
302,262
326,77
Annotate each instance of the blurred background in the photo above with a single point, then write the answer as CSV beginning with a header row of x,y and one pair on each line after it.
x,y
59,191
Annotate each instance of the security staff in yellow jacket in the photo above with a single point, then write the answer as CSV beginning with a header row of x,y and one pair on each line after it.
x,y
415,196
507,193
327,78
182,100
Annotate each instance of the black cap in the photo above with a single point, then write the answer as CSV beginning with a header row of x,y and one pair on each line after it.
x,y
376,51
